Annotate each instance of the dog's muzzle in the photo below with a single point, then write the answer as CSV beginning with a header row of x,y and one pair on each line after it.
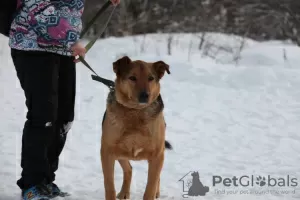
x,y
143,97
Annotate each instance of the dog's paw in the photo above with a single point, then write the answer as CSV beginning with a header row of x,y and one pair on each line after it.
x,y
110,195
123,195
149,198
157,195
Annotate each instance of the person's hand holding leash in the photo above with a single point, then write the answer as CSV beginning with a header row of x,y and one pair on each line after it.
x,y
78,50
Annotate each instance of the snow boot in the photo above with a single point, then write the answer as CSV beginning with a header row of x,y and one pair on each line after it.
x,y
38,192
55,191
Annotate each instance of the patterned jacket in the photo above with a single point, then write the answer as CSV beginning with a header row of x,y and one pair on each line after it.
x,y
47,25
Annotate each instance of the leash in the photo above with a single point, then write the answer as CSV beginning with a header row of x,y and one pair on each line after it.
x,y
110,84
94,19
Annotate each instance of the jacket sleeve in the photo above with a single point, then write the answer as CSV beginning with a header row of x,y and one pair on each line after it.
x,y
54,27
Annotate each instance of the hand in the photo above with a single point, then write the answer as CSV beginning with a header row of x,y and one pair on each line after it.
x,y
78,50
115,2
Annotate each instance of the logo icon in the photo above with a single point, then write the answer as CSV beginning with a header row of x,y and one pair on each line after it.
x,y
261,181
192,186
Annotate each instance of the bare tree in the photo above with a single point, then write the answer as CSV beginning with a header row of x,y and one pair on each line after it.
x,y
268,19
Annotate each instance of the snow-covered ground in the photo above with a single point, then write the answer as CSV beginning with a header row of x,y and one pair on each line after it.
x,y
224,119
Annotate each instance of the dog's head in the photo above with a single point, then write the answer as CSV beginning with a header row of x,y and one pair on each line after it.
x,y
137,82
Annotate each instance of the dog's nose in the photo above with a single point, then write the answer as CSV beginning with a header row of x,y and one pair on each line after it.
x,y
143,97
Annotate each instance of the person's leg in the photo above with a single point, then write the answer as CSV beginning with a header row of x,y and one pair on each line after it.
x,y
37,72
66,106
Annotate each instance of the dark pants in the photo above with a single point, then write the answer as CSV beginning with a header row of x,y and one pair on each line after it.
x,y
48,81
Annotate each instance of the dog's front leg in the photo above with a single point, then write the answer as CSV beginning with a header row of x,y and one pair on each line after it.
x,y
155,167
127,176
108,164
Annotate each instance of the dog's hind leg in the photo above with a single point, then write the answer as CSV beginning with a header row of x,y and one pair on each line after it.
x,y
127,175
154,170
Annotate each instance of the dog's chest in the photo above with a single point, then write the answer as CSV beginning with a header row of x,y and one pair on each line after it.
x,y
130,121
135,141
134,132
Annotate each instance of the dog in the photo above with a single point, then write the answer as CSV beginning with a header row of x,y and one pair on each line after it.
x,y
133,126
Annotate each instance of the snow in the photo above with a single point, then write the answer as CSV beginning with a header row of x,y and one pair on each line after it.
x,y
223,117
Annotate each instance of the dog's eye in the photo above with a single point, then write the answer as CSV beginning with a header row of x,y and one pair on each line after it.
x,y
151,78
132,78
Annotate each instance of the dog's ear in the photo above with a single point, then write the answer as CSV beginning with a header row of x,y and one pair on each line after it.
x,y
160,67
121,64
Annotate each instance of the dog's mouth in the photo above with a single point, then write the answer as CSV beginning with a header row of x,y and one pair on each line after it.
x,y
141,100
133,103
137,101
143,104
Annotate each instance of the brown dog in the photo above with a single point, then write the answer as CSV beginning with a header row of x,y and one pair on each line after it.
x,y
133,126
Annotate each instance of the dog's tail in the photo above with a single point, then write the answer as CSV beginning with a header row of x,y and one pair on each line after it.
x,y
168,145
